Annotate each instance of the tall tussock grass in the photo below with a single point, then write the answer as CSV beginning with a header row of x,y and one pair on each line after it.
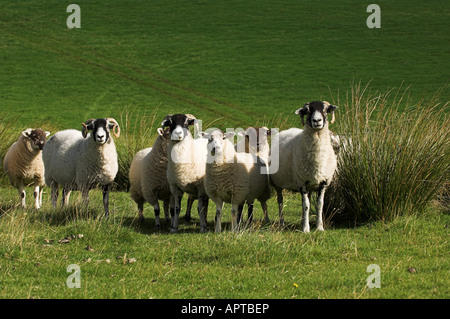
x,y
137,132
394,156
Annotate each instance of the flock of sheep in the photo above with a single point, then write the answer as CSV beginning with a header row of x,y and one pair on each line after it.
x,y
208,167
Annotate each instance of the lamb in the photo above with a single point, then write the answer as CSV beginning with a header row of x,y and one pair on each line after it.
x,y
79,161
148,177
23,163
255,141
186,166
233,177
307,160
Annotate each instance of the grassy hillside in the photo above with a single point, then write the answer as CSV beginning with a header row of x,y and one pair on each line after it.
x,y
239,62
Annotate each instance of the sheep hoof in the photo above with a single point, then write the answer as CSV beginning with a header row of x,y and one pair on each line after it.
x,y
174,230
320,228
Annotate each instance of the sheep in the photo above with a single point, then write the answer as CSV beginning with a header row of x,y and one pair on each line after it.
x,y
186,166
148,177
307,161
79,161
233,177
255,141
23,163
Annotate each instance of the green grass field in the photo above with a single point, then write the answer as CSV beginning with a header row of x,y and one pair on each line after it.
x,y
231,64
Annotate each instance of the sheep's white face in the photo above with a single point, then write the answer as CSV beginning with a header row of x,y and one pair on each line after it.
x,y
179,133
216,144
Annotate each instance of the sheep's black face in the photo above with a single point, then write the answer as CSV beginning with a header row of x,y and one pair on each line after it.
x,y
178,126
100,132
316,113
101,129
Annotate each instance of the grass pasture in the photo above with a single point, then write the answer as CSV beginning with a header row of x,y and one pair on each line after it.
x,y
234,64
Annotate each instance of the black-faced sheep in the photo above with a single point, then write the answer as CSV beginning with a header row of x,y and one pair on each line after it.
x,y
307,160
186,166
79,161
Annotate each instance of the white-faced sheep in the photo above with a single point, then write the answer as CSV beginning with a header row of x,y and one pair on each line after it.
x,y
148,177
254,140
307,161
79,161
186,166
23,163
233,177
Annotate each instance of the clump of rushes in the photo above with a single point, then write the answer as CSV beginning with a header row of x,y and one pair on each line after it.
x,y
394,156
139,132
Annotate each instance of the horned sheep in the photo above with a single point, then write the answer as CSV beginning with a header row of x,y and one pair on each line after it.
x,y
186,166
79,161
307,160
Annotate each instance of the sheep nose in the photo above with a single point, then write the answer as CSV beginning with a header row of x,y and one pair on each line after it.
x,y
317,121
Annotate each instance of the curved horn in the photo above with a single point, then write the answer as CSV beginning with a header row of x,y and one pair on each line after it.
x,y
190,116
86,127
328,104
116,127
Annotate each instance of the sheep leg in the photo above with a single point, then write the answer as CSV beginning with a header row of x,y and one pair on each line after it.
x,y
306,206
190,202
106,200
54,193
250,213
22,194
239,213
203,211
65,196
176,215
172,209
280,205
157,210
141,211
166,211
320,197
41,190
218,219
234,217
265,211
36,196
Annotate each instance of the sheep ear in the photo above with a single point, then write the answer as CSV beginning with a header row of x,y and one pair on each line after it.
x,y
330,109
27,132
112,124
160,131
47,133
303,111
203,134
86,127
167,121
192,122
